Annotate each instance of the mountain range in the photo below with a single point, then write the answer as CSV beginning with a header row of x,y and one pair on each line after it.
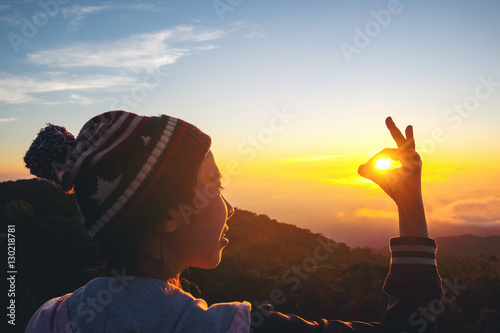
x,y
318,277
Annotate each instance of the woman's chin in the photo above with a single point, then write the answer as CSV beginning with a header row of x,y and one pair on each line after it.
x,y
210,263
217,260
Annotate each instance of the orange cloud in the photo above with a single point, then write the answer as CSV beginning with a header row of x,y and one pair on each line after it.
x,y
483,211
374,213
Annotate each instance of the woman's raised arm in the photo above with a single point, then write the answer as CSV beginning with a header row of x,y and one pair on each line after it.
x,y
402,184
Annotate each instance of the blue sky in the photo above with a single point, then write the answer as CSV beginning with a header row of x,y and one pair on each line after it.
x,y
230,66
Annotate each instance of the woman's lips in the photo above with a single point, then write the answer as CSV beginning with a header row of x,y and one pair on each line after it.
x,y
223,240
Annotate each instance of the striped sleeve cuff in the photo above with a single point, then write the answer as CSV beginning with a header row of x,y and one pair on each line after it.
x,y
413,254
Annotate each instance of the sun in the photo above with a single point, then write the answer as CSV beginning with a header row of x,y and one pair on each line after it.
x,y
384,163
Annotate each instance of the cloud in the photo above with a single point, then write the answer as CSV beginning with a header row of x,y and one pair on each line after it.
x,y
109,66
309,158
5,120
76,14
140,52
256,34
374,213
72,98
22,88
76,98
475,211
353,180
141,6
8,17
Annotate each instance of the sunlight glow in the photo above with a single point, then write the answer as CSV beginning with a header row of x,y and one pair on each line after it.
x,y
386,163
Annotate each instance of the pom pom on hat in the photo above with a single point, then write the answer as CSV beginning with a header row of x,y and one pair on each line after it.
x,y
51,147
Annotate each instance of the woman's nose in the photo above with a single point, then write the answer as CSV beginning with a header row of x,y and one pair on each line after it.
x,y
230,210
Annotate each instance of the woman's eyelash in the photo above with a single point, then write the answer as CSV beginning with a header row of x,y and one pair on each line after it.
x,y
221,187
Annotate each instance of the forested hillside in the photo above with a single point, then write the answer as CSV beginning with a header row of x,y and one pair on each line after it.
x,y
266,261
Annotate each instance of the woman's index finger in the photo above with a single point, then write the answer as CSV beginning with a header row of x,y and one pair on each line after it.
x,y
395,132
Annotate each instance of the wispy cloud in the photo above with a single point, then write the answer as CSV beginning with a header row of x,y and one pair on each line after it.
x,y
76,14
141,52
151,7
23,88
5,120
256,34
257,31
10,17
71,98
79,99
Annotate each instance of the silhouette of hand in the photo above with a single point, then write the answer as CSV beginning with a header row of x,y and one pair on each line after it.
x,y
402,184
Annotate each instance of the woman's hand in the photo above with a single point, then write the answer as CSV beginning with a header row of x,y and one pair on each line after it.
x,y
402,184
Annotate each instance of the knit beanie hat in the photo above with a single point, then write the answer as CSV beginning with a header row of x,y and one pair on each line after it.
x,y
118,164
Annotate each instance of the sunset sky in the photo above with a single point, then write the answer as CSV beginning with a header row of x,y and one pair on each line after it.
x,y
293,93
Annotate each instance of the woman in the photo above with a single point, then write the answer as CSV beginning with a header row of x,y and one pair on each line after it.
x,y
149,191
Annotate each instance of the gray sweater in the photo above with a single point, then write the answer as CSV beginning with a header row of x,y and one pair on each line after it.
x,y
135,304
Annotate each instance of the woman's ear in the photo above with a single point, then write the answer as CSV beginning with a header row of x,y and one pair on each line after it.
x,y
172,222
168,224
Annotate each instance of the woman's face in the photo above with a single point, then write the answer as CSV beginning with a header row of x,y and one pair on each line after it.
x,y
204,220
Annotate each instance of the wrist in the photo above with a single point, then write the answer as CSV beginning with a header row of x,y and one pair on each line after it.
x,y
412,221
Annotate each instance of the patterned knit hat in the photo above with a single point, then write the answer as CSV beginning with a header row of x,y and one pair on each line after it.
x,y
117,163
